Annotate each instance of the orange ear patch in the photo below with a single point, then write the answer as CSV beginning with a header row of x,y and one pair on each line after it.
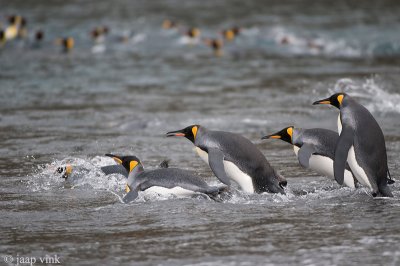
x,y
132,165
290,132
340,98
194,131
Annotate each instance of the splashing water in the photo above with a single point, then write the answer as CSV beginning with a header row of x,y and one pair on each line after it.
x,y
370,92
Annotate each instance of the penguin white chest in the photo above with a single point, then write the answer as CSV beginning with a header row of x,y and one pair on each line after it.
x,y
296,150
232,171
357,169
339,124
177,191
323,165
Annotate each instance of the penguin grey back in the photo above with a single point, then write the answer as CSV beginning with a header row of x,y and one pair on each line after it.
x,y
244,154
323,140
170,178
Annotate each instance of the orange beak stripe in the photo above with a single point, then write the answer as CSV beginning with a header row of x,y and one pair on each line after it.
x,y
275,137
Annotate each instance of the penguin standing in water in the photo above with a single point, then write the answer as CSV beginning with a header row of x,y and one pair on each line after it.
x,y
231,156
361,144
315,150
162,181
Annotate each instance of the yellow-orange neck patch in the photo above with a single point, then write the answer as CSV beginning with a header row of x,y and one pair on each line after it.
x,y
194,131
340,98
132,165
290,132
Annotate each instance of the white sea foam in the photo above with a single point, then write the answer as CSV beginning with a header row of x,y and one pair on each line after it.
x,y
371,92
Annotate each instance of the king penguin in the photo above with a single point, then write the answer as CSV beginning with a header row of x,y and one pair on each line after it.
x,y
361,144
231,156
315,150
164,180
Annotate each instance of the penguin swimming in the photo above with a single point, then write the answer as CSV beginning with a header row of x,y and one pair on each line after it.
x,y
163,181
231,156
11,32
67,43
169,24
216,45
22,30
193,33
231,34
361,144
315,150
65,171
99,34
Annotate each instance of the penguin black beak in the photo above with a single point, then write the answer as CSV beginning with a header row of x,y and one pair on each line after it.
x,y
177,133
116,158
323,101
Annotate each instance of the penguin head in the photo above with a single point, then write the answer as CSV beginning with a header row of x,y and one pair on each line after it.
x,y
285,134
189,132
228,34
193,33
168,24
39,35
236,30
95,33
335,100
68,43
15,20
131,164
65,171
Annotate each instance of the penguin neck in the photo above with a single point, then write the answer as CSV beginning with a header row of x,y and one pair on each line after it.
x,y
201,131
134,174
137,171
297,137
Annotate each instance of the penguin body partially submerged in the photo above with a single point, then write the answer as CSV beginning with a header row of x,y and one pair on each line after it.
x,y
163,181
231,156
315,150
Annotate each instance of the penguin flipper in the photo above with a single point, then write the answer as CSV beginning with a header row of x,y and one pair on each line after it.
x,y
341,152
115,169
216,162
132,195
305,153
